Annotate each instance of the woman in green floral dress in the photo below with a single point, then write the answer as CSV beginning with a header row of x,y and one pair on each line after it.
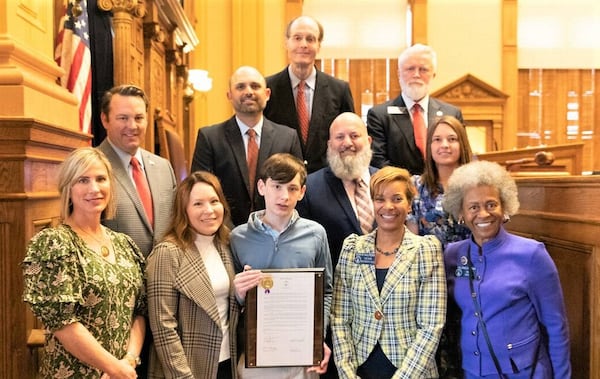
x,y
85,281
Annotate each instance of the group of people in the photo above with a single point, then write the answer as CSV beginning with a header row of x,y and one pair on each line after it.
x,y
422,280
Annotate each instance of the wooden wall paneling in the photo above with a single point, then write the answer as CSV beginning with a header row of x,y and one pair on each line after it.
x,y
382,80
547,114
595,151
563,213
585,97
378,76
356,81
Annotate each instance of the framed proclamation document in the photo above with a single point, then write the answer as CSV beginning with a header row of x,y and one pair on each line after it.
x,y
284,319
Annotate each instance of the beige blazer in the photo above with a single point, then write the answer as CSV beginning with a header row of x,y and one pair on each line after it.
x,y
183,314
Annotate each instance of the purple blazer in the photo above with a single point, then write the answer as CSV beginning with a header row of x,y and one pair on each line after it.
x,y
518,288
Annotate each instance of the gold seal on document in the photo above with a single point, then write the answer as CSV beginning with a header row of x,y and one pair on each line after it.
x,y
266,282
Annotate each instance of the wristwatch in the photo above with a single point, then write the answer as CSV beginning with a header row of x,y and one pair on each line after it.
x,y
133,359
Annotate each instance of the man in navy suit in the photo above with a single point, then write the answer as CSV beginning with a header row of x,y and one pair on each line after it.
x,y
326,97
330,192
390,124
222,148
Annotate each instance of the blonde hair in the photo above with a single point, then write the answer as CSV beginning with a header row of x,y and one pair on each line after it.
x,y
74,166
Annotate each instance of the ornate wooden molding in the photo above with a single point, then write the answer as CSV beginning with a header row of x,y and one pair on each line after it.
x,y
171,13
136,8
153,31
471,88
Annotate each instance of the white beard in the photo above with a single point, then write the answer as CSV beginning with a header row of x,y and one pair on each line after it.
x,y
415,92
350,167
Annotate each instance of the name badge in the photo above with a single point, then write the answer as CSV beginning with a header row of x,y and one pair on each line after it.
x,y
392,109
462,271
364,259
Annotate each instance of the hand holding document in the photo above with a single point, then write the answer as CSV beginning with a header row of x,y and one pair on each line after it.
x,y
285,319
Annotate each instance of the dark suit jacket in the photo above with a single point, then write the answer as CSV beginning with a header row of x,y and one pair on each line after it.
x,y
327,203
131,218
220,150
331,97
393,137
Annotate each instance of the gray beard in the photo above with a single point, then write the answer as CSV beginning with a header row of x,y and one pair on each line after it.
x,y
350,167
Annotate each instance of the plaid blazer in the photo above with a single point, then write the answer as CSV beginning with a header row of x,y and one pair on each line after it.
x,y
406,318
183,314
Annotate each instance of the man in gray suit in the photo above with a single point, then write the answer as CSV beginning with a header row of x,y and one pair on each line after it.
x,y
391,124
124,116
223,148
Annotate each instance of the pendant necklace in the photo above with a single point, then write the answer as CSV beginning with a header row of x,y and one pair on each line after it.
x,y
104,251
388,253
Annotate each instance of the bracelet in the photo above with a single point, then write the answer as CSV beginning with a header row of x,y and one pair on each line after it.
x,y
133,359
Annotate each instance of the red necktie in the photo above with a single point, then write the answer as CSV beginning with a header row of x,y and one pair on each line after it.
x,y
252,158
419,128
302,110
363,208
142,187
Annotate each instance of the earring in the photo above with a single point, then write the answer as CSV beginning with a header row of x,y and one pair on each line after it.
x,y
506,218
461,220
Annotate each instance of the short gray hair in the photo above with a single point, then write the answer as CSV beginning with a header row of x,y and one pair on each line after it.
x,y
481,173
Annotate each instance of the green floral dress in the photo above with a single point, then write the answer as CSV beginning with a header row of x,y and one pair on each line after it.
x,y
66,282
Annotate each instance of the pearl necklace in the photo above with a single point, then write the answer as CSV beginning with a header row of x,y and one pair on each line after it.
x,y
104,251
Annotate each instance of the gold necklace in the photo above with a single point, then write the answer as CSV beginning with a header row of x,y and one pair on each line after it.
x,y
104,251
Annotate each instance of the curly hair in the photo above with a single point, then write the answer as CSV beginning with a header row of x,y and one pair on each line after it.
x,y
480,173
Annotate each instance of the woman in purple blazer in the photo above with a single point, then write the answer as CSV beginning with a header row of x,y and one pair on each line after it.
x,y
513,322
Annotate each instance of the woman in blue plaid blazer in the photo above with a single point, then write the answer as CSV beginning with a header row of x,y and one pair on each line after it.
x,y
389,299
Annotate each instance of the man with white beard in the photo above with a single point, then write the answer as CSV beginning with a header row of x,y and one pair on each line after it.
x,y
396,135
331,192
330,197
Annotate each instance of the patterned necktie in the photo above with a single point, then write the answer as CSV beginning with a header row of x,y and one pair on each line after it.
x,y
419,127
142,187
302,110
252,159
363,207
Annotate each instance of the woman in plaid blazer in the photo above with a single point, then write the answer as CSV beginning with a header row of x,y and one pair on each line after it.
x,y
389,298
191,303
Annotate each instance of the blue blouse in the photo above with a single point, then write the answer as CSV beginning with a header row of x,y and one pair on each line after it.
x,y
428,214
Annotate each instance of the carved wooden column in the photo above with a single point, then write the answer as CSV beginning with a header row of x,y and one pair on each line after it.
x,y
158,83
127,48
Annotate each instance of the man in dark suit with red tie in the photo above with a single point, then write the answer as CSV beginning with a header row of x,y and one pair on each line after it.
x,y
225,148
324,98
391,124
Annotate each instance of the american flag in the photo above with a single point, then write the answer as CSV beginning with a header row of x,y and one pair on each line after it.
x,y
72,53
